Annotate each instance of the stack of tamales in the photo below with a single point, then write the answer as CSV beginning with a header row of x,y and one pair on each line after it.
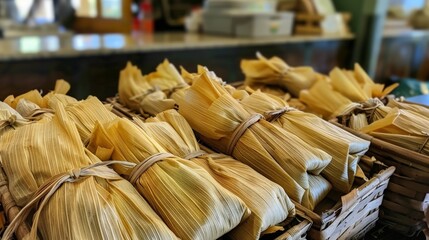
x,y
358,102
186,197
76,195
267,200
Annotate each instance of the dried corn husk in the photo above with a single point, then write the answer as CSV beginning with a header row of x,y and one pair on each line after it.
x,y
10,118
275,71
422,110
137,92
376,90
95,203
347,85
322,99
260,145
358,121
187,198
345,148
32,111
85,113
267,201
403,128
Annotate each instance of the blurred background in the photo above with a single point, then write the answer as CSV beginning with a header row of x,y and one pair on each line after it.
x,y
87,42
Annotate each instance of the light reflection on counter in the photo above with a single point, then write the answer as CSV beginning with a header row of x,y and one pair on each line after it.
x,y
86,42
49,46
30,44
114,41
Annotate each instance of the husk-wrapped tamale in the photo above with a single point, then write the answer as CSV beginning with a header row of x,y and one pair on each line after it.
x,y
345,148
422,110
322,99
76,195
186,197
267,201
10,119
275,71
403,128
278,155
148,94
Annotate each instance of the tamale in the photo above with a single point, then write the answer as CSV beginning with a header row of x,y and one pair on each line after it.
x,y
230,129
32,111
85,200
403,128
344,147
10,118
267,201
85,113
347,85
422,110
322,99
186,197
137,92
275,71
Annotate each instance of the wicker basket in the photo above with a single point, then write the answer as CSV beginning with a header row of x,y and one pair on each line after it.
x,y
9,207
355,214
406,202
295,228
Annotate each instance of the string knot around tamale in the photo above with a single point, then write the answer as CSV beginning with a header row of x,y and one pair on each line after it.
x,y
49,158
186,197
267,200
272,151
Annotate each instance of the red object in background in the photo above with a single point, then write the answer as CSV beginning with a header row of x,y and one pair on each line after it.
x,y
146,17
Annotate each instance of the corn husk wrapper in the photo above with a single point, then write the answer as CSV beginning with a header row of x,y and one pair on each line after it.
x,y
275,71
358,121
260,146
33,112
375,90
347,85
186,197
345,148
422,110
91,207
34,96
149,94
10,118
267,201
403,128
85,113
322,99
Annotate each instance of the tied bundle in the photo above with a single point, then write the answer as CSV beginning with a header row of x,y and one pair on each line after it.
x,y
343,92
10,118
345,148
422,110
267,201
278,155
323,100
186,197
77,196
403,128
276,72
149,94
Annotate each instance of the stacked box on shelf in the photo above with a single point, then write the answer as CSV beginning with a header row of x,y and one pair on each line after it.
x,y
348,216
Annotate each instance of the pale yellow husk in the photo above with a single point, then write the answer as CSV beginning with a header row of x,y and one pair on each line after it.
x,y
186,197
92,207
261,146
267,200
149,94
345,148
322,99
403,128
275,71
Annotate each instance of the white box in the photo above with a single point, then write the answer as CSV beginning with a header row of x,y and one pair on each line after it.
x,y
248,25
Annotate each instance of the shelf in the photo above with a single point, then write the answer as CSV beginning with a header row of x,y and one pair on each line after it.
x,y
410,33
35,47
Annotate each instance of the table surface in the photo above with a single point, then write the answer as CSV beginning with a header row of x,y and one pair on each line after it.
x,y
72,45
